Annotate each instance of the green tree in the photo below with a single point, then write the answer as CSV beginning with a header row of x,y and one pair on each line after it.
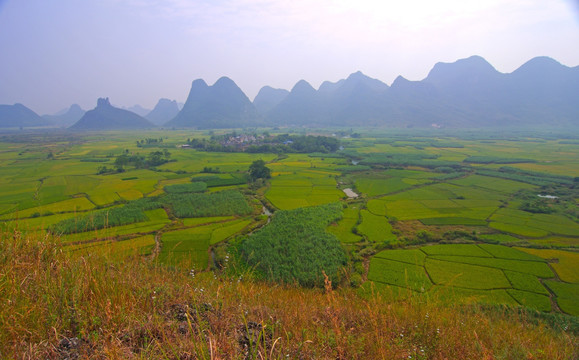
x,y
258,170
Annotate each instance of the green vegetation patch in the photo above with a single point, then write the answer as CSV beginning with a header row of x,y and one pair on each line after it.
x,y
499,238
531,300
373,186
186,188
353,168
187,248
398,273
99,220
516,229
494,184
376,228
216,181
525,282
453,221
142,245
376,207
565,263
537,268
222,203
410,256
529,177
343,229
451,294
537,224
228,230
465,275
190,222
295,248
505,252
567,295
455,250
496,160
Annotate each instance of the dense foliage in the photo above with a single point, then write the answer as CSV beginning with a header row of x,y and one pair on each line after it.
x,y
397,159
496,160
529,177
295,248
182,204
199,205
214,180
151,142
100,219
258,170
284,143
194,187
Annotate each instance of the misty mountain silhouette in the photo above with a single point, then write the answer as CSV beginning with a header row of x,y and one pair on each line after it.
x,y
164,111
222,105
107,117
18,115
267,98
466,93
66,118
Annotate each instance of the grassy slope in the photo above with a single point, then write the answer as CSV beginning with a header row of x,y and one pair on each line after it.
x,y
137,309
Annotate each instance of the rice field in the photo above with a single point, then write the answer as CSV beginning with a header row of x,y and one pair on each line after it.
x,y
36,193
376,228
343,229
565,263
302,187
474,273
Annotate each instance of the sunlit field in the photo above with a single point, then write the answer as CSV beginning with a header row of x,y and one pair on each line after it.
x,y
452,222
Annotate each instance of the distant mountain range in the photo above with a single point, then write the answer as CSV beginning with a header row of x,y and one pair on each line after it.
x,y
19,116
222,105
138,109
466,93
67,117
164,111
107,117
469,93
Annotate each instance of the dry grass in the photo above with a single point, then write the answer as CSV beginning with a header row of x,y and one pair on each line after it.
x,y
58,307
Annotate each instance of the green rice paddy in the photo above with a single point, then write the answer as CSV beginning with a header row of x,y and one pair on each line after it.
x,y
407,184
477,273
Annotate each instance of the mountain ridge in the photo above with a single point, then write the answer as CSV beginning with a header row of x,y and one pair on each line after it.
x,y
106,117
19,116
67,117
221,105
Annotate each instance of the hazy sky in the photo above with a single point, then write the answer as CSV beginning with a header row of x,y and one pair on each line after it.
x,y
54,53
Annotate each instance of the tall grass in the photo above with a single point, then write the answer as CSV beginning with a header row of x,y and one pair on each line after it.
x,y
54,306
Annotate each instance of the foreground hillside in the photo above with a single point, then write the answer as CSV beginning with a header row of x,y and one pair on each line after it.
x,y
59,306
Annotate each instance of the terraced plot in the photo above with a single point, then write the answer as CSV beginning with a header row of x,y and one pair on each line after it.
x,y
440,204
567,295
376,228
471,273
533,225
565,263
343,229
306,188
187,248
493,184
399,273
142,245
158,220
466,276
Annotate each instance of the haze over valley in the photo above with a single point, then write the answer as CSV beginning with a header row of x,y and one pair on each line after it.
x,y
267,179
468,93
